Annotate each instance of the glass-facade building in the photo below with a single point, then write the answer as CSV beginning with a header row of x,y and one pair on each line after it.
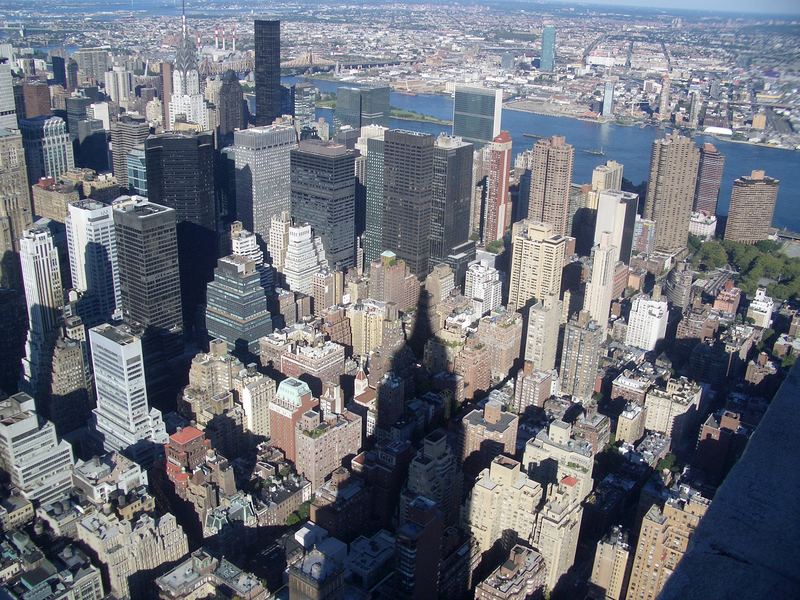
x,y
358,107
547,62
476,115
137,171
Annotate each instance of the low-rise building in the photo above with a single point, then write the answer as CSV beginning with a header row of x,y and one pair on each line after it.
x,y
202,576
521,577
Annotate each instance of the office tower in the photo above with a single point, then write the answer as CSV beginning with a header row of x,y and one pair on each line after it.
x,y
123,418
664,537
36,97
670,190
502,498
77,111
305,104
263,175
72,75
647,323
407,190
483,286
476,115
709,179
323,195
8,108
41,276
267,40
48,149
180,175
498,195
37,462
373,147
303,258
664,109
236,305
547,62
361,106
92,64
92,244
695,106
136,165
126,133
452,193
751,208
231,107
600,288
608,99
165,71
521,577
434,473
418,551
537,262
70,399
541,340
59,64
580,356
244,243
551,176
15,206
607,177
616,214
278,240
119,85
191,109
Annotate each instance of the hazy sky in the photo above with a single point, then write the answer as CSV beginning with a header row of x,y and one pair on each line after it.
x,y
763,6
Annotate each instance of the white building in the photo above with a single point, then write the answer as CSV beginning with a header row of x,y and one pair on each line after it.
x,y
123,417
702,225
92,244
647,324
483,287
600,287
760,309
278,240
39,465
672,410
8,111
616,214
119,85
541,339
304,258
193,107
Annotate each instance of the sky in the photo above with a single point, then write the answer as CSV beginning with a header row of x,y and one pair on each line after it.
x,y
783,7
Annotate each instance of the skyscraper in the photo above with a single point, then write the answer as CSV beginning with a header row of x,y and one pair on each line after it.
x,y
119,84
551,175
361,106
647,322
36,97
608,98
408,194
126,133
8,109
664,112
267,39
123,419
263,175
59,70
231,107
305,104
476,114
48,149
547,62
607,177
165,70
44,296
599,290
15,206
92,244
452,193
752,206
304,257
373,136
709,179
537,262
541,342
581,356
616,214
136,163
670,190
323,195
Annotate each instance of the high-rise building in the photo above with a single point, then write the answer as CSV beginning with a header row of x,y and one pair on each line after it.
x,y
541,341
647,323
476,114
292,400
670,190
92,244
751,208
236,305
48,149
418,550
607,177
165,71
126,134
551,176
59,64
41,276
664,108
231,107
119,84
452,193
8,109
581,356
557,528
323,441
483,286
305,104
487,433
267,40
608,99
408,192
434,473
304,257
70,401
77,111
709,179
358,107
323,195
263,175
537,262
37,462
36,98
556,453
600,288
123,419
72,75
547,62
616,214
498,195
92,64
16,213
136,164
373,146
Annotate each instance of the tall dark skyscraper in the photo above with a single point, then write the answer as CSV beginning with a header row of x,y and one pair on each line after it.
x,y
408,193
60,71
358,107
231,107
323,195
452,195
709,178
72,75
267,38
180,175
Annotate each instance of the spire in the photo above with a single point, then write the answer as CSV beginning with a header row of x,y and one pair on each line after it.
x,y
183,17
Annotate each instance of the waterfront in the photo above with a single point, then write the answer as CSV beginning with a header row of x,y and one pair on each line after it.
x,y
628,145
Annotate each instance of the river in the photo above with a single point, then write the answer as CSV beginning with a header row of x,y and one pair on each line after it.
x,y
630,146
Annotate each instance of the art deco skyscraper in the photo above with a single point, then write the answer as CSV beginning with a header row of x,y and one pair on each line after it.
x,y
498,195
267,39
452,193
126,133
709,179
537,262
751,209
15,206
476,114
670,190
323,195
551,175
408,195
48,149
